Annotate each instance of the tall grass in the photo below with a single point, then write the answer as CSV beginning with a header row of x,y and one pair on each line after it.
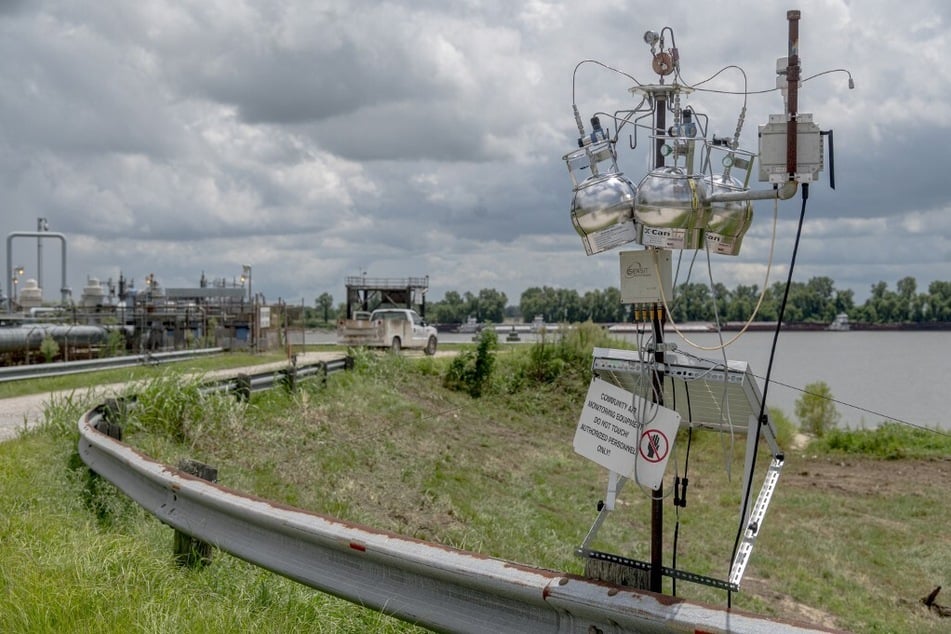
x,y
389,446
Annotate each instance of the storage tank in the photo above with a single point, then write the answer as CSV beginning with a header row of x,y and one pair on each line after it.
x,y
31,295
93,294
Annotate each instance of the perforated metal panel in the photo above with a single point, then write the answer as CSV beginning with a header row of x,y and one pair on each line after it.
x,y
702,391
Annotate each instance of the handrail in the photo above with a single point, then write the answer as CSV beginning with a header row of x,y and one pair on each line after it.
x,y
442,588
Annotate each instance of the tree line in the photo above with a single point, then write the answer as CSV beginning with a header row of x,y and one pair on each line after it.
x,y
814,301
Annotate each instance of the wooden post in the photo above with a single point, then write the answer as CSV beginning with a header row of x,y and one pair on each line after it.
x,y
191,552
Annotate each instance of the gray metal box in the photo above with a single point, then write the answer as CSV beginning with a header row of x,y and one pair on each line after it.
x,y
772,150
642,273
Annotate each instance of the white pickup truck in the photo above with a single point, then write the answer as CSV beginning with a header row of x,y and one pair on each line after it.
x,y
392,328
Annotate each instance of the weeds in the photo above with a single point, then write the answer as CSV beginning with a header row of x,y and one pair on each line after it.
x,y
387,445
174,406
890,441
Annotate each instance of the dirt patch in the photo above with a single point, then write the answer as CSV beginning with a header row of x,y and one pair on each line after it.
x,y
864,475
787,607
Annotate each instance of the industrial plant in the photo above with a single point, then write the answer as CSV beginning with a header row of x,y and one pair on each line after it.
x,y
113,317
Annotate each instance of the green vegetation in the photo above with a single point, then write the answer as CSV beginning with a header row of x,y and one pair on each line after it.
x,y
816,301
815,409
10,389
115,344
890,441
470,371
49,348
389,446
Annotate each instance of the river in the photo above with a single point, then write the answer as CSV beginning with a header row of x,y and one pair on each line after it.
x,y
873,375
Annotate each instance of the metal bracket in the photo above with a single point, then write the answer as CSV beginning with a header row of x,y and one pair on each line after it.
x,y
755,521
667,572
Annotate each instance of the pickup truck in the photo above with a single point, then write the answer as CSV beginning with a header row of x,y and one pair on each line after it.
x,y
392,328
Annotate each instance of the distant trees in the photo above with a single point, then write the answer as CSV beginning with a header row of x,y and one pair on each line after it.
x,y
816,301
325,302
488,305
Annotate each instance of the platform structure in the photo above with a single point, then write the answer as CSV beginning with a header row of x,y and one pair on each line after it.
x,y
369,293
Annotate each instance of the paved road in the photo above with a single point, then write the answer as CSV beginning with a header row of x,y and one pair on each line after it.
x,y
26,411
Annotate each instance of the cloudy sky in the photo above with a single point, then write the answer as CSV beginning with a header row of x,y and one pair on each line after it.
x,y
318,139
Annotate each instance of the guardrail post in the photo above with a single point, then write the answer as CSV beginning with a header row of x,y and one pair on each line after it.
x,y
288,378
109,423
191,552
242,387
323,374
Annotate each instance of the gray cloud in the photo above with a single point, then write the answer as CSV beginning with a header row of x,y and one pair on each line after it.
x,y
426,137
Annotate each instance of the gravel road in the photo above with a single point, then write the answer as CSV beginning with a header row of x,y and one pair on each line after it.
x,y
23,412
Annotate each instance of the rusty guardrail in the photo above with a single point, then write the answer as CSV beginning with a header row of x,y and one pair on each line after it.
x,y
442,588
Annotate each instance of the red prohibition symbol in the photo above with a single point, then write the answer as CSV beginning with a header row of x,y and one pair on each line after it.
x,y
654,445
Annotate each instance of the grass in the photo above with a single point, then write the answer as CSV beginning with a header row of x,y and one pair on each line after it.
x,y
10,389
850,540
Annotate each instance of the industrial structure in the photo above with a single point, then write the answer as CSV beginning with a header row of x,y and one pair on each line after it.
x,y
111,318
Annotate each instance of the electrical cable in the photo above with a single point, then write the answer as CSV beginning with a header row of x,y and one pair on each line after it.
x,y
769,369
725,399
680,494
759,302
881,415
603,65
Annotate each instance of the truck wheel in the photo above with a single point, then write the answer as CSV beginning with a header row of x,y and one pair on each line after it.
x,y
395,346
430,349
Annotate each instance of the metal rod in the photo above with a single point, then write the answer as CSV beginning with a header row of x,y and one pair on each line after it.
x,y
792,79
64,291
657,378
788,190
660,124
657,497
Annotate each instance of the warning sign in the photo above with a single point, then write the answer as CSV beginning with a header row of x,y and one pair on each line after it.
x,y
610,434
654,445
607,433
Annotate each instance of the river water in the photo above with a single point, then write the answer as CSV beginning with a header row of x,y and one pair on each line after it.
x,y
873,376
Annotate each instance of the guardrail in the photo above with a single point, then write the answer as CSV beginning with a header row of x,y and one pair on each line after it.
x,y
246,384
43,370
441,588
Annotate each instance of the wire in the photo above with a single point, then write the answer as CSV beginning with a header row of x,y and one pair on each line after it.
x,y
833,70
759,302
603,65
861,409
725,399
769,370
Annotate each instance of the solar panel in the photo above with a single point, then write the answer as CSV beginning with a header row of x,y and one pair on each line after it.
x,y
702,391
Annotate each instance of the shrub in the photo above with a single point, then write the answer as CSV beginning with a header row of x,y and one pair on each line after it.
x,y
49,348
815,409
891,441
115,344
471,371
785,428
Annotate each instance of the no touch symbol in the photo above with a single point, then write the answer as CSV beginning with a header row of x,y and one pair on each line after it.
x,y
654,445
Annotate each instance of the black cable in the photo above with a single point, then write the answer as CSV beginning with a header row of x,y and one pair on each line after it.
x,y
769,371
680,495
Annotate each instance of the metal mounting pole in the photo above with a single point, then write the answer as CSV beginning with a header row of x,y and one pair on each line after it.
x,y
792,78
657,379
